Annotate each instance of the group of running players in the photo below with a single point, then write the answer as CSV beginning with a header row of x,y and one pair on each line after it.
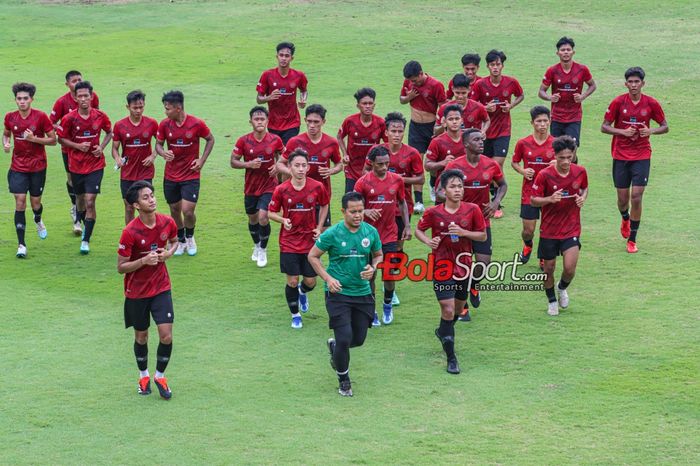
x,y
460,136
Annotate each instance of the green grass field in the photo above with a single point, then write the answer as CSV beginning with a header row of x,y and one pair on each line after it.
x,y
613,380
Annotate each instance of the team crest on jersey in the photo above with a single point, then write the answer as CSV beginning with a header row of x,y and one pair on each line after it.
x,y
145,134
644,113
163,236
402,164
392,191
293,85
33,128
485,175
188,134
506,93
324,153
463,223
375,135
365,242
268,150
576,185
95,126
470,119
309,198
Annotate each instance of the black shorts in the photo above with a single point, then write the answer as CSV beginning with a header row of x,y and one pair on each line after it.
x,y
349,185
327,223
549,249
176,191
296,264
400,224
451,289
21,182
527,212
286,134
420,135
572,129
88,183
497,147
124,185
137,312
254,203
342,309
630,172
390,247
65,161
483,247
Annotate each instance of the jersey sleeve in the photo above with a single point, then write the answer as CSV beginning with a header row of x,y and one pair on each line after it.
x,y
382,129
203,130
518,152
657,113
95,101
106,123
65,128
448,93
584,179
538,185
432,152
335,151
262,87
587,76
54,116
344,130
517,89
276,201
426,220
439,92
497,172
45,123
126,243
404,87
376,244
547,78
416,163
360,187
400,192
239,147
277,145
172,228
477,220
325,241
289,148
117,133
440,114
475,93
323,198
8,127
482,114
612,111
160,133
303,82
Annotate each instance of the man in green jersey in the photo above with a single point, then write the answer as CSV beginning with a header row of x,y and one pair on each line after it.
x,y
354,250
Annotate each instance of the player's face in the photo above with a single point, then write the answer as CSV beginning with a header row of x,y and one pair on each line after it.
x,y
259,122
146,201
366,105
354,213
634,84
395,133
495,67
461,94
380,165
454,191
541,124
23,100
475,143
470,70
299,166
453,120
565,53
172,111
136,109
564,159
83,96
72,81
284,58
418,80
314,123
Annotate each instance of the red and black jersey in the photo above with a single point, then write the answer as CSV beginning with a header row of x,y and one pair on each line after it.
x,y
137,145
563,219
28,157
183,141
79,129
258,180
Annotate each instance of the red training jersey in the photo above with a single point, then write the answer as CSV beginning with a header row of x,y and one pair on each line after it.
x,y
383,195
183,141
321,155
66,104
284,113
430,94
449,94
28,157
136,142
442,146
258,180
485,91
623,113
451,248
474,115
477,180
361,138
138,240
535,156
566,85
298,205
563,219
79,129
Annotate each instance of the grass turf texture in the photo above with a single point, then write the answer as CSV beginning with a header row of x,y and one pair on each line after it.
x,y
611,380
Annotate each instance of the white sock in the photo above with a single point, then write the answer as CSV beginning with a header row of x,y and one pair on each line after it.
x,y
143,373
159,375
296,315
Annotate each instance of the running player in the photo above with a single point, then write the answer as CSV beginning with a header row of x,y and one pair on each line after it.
x,y
470,65
257,152
425,94
183,165
480,172
80,134
628,119
384,193
535,152
561,190
278,88
354,251
496,93
31,131
566,79
474,115
448,146
134,135
63,106
293,205
363,130
454,225
146,243
322,149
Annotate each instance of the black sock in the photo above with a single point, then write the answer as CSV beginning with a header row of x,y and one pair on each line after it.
x,y
418,195
551,297
292,295
81,215
20,225
388,295
181,235
141,353
71,193
189,232
254,230
625,214
447,337
306,288
37,213
433,179
163,356
634,226
264,235
89,225
528,243
562,284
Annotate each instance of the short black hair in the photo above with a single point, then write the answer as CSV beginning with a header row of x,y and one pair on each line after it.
x,y
635,71
24,87
83,85
135,96
394,117
377,151
460,80
471,59
447,175
298,152
494,54
562,143
412,69
258,109
538,110
286,45
352,196
317,109
174,98
467,132
564,41
452,108
132,194
365,92
72,73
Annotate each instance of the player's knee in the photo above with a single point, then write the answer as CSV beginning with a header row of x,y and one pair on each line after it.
x,y
263,218
549,266
166,338
21,203
141,337
292,281
637,198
